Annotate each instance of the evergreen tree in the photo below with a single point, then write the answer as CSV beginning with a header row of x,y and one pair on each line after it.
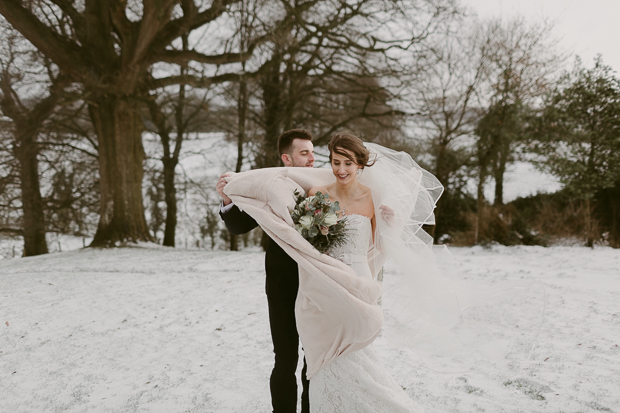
x,y
578,133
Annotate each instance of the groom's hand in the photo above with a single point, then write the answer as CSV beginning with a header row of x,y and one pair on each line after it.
x,y
219,187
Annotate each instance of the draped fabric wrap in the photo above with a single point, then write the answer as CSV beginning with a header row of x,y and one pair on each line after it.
x,y
336,312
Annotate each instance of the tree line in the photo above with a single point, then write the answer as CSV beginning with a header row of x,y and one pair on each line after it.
x,y
83,82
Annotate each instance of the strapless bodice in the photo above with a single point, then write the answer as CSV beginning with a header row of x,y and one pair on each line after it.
x,y
354,251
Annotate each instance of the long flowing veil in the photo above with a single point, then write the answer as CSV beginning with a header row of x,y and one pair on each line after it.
x,y
427,308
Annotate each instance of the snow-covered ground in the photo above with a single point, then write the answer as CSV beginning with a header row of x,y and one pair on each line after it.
x,y
156,329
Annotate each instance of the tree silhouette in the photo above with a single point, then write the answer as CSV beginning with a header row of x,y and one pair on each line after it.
x,y
110,48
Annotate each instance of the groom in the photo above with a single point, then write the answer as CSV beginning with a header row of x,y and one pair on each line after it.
x,y
296,150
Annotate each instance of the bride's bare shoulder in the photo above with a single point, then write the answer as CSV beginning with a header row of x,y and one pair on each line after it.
x,y
368,205
321,188
324,189
367,190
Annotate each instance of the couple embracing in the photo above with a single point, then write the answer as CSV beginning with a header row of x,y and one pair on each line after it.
x,y
330,300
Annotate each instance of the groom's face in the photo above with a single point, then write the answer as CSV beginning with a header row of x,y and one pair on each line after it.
x,y
302,153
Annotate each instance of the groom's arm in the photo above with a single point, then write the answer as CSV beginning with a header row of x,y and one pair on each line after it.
x,y
237,221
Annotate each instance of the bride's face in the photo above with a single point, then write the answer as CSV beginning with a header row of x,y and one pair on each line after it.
x,y
344,169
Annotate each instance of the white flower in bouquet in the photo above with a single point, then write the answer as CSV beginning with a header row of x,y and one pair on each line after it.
x,y
330,219
305,221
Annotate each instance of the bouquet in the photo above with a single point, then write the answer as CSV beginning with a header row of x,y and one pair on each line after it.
x,y
316,219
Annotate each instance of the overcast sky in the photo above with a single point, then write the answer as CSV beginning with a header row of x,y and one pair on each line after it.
x,y
586,27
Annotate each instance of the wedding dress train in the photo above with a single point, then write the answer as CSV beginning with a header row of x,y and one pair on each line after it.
x,y
357,382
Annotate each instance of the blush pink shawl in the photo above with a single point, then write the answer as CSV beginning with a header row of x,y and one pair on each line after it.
x,y
336,311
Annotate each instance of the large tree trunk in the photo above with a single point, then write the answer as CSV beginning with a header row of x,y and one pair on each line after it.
x,y
479,205
441,172
499,187
614,230
291,98
242,109
32,203
498,172
485,159
609,212
171,160
272,117
27,124
588,223
118,125
171,202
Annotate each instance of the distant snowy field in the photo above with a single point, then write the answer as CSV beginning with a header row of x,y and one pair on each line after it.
x,y
156,329
207,156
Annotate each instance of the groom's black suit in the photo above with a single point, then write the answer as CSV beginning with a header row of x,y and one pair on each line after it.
x,y
281,286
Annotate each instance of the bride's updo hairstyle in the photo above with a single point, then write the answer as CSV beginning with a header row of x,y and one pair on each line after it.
x,y
347,141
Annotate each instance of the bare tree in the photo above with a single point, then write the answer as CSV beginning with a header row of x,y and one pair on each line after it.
x,y
69,169
337,65
446,98
246,25
111,48
28,114
10,204
172,114
523,65
477,70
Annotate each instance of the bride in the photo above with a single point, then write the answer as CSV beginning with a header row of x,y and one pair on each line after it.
x,y
357,382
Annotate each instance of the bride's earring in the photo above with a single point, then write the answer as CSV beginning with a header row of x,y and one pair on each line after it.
x,y
359,172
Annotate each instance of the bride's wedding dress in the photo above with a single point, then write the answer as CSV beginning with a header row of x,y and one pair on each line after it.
x,y
357,382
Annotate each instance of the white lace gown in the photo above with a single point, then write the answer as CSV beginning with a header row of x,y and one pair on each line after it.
x,y
357,382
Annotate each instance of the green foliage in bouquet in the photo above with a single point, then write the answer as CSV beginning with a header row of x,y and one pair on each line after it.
x,y
316,219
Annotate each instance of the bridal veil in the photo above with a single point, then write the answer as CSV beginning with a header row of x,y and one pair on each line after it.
x,y
430,308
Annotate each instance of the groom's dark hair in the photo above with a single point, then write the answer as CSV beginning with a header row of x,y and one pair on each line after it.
x,y
285,141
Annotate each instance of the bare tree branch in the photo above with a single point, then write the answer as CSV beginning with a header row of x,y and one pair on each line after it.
x,y
195,81
75,16
175,28
62,51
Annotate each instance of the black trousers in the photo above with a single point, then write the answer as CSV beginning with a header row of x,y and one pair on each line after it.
x,y
283,383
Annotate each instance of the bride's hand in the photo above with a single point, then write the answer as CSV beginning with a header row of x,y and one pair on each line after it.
x,y
387,214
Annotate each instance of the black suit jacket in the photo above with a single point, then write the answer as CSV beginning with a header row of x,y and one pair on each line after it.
x,y
282,279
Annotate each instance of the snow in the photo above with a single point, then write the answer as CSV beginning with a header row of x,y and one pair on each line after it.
x,y
155,329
